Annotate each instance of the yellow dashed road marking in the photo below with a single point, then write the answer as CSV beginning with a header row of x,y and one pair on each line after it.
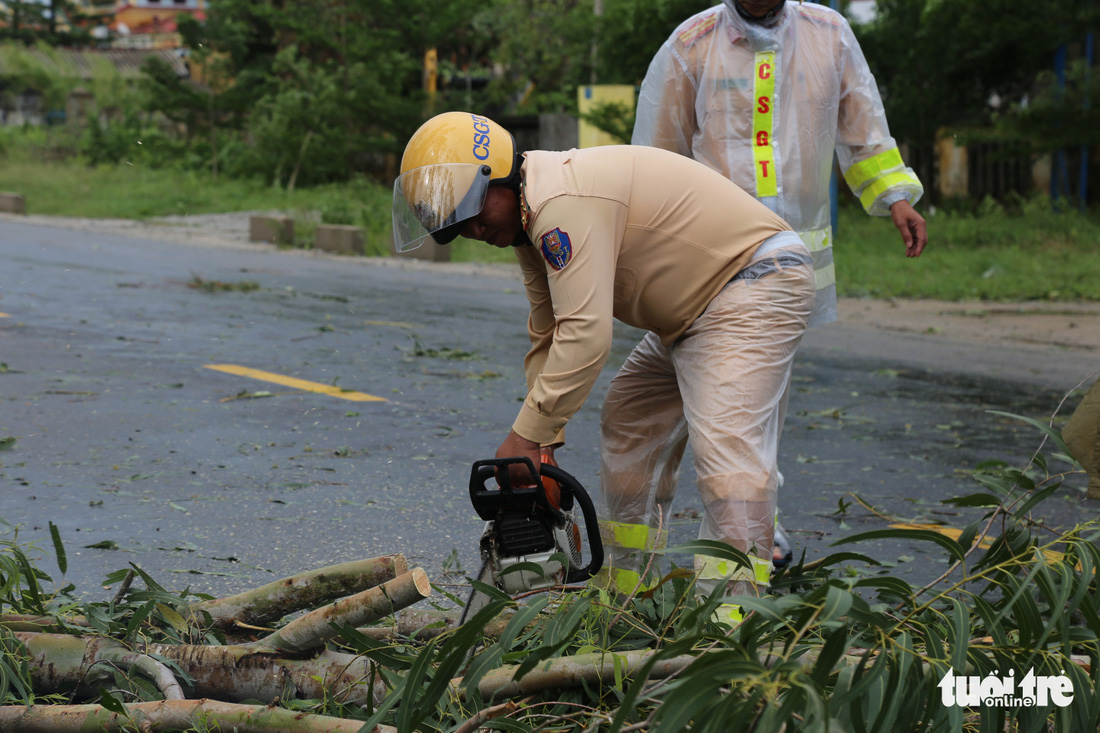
x,y
954,533
344,394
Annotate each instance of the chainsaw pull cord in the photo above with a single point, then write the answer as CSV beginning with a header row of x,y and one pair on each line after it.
x,y
551,487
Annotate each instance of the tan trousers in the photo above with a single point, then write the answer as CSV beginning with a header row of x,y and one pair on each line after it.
x,y
722,388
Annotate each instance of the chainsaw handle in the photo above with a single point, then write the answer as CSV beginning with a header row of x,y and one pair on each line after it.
x,y
591,524
489,501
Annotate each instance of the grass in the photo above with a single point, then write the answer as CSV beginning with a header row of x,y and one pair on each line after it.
x,y
990,253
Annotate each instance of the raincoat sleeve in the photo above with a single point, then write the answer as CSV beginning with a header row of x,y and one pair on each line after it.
x,y
665,117
868,155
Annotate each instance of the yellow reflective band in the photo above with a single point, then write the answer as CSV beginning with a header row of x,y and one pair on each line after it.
x,y
631,536
825,277
817,240
713,568
616,580
729,613
880,186
863,171
763,153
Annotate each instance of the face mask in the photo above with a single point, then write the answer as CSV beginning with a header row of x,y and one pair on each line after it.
x,y
766,19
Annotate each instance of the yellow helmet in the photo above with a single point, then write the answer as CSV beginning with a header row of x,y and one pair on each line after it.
x,y
447,167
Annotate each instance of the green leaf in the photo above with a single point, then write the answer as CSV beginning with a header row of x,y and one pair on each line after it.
x,y
837,603
380,652
174,619
1046,429
888,586
974,500
830,654
529,567
958,640
111,703
1034,499
712,548
59,548
917,535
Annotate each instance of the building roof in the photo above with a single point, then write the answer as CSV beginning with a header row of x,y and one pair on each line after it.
x,y
78,62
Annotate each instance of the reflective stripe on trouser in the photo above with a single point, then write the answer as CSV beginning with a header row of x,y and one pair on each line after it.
x,y
626,550
720,387
738,579
713,571
820,244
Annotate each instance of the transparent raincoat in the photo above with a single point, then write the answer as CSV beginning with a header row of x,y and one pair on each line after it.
x,y
766,105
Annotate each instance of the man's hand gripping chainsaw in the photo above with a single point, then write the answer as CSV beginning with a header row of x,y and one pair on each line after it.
x,y
530,530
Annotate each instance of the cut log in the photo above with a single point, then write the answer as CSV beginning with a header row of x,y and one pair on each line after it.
x,y
271,602
315,629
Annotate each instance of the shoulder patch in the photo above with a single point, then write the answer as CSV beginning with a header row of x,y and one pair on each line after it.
x,y
697,30
556,248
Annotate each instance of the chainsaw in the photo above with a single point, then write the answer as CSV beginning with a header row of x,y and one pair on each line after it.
x,y
530,530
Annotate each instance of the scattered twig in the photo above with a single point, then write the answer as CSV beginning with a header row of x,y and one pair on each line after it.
x,y
125,586
496,711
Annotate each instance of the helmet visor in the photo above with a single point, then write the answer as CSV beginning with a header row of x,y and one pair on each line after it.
x,y
436,201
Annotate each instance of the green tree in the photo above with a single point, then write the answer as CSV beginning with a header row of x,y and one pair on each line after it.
x,y
955,63
631,32
323,84
38,72
55,22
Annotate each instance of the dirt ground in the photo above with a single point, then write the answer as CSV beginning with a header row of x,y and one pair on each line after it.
x,y
1046,342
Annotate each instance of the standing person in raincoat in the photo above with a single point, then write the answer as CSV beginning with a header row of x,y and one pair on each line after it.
x,y
764,91
722,285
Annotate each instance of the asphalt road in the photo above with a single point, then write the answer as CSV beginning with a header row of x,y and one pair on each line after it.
x,y
219,480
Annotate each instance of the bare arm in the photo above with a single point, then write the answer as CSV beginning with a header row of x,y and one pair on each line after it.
x,y
914,232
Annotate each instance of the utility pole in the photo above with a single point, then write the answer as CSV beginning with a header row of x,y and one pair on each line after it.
x,y
597,10
431,76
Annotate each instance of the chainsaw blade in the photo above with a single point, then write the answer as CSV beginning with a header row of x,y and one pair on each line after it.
x,y
477,600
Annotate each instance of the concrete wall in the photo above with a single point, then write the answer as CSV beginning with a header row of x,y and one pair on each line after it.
x,y
12,203
271,229
339,238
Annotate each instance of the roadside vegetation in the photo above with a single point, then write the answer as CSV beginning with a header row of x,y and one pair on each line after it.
x,y
1017,252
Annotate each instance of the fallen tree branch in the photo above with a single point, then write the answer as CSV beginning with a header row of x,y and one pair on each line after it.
x,y
175,715
308,590
61,663
595,668
315,629
564,672
157,672
487,714
49,624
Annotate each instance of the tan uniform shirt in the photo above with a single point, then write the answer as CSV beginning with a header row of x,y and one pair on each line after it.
x,y
635,233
